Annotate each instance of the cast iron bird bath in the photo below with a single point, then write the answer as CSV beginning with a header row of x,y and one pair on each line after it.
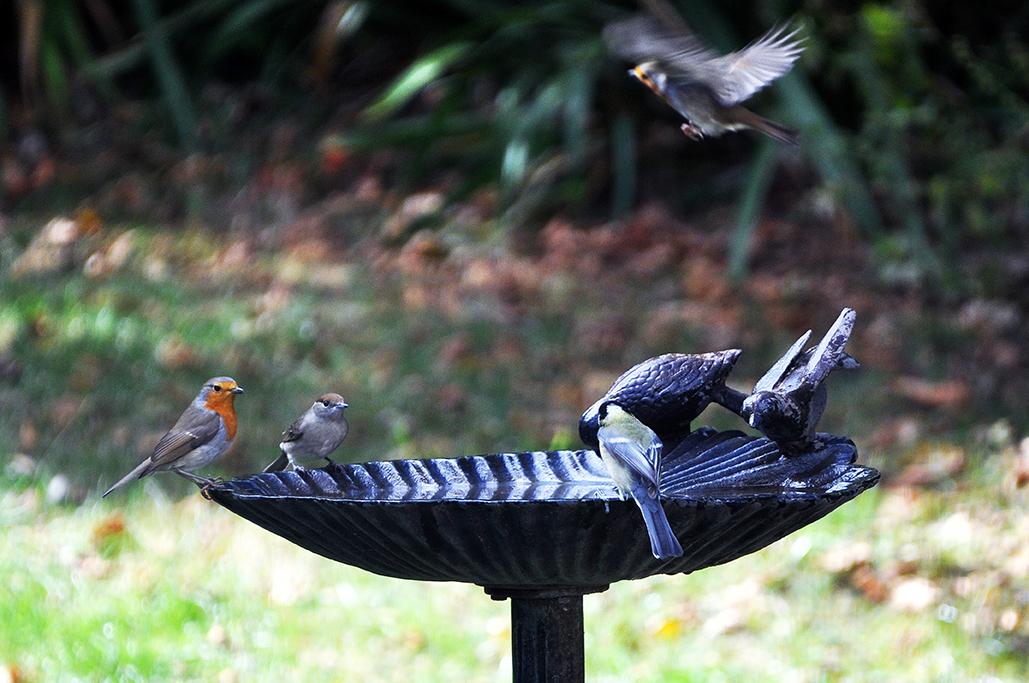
x,y
545,528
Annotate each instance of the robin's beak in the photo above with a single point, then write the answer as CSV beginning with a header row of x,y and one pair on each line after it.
x,y
238,390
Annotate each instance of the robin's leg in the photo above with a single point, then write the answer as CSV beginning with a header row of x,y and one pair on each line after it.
x,y
196,478
691,131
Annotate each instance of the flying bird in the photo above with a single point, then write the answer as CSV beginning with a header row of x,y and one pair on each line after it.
x,y
632,453
203,432
668,392
789,399
313,435
706,88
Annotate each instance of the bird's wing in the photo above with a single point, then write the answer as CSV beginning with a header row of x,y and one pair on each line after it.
x,y
738,75
776,372
194,428
644,462
644,38
817,407
294,431
829,352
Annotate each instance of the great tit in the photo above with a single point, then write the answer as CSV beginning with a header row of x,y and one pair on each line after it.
x,y
632,453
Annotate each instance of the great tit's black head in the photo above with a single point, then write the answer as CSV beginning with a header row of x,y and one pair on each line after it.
x,y
589,424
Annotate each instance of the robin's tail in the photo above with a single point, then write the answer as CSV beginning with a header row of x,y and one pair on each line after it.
x,y
770,128
142,469
663,543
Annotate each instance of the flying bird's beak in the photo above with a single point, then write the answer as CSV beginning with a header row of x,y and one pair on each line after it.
x,y
238,390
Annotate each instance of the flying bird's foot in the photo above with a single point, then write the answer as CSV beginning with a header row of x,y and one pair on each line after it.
x,y
329,462
692,131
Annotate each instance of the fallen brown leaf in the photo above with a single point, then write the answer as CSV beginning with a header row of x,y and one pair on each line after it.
x,y
943,394
864,579
942,465
110,527
1022,466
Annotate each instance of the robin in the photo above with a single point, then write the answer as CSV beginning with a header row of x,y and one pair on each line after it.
x,y
706,88
204,431
313,435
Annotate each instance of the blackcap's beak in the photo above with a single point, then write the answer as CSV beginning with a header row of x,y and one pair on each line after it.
x,y
238,390
343,404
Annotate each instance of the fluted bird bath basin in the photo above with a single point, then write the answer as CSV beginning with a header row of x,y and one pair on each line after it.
x,y
544,528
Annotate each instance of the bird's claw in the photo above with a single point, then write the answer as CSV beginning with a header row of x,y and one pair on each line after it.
x,y
691,131
205,488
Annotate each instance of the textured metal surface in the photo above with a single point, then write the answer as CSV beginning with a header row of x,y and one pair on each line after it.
x,y
540,519
666,392
547,640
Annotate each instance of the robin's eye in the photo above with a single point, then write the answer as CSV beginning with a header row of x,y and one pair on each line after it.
x,y
216,387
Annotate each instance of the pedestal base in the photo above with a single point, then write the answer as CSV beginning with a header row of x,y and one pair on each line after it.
x,y
546,633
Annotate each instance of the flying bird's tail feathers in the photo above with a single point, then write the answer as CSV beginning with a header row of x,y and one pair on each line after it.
x,y
663,543
140,471
776,131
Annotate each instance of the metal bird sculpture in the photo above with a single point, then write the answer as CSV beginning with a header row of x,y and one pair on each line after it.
x,y
789,399
668,392
706,88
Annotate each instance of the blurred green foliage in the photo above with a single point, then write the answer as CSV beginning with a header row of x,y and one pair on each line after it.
x,y
913,114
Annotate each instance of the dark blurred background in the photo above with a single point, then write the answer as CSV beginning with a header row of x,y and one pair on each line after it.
x,y
464,216
467,208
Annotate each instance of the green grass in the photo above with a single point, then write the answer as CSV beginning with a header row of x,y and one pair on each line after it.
x,y
187,591
470,355
475,352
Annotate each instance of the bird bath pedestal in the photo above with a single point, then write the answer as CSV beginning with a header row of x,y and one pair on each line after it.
x,y
544,528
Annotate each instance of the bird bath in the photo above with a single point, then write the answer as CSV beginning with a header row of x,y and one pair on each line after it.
x,y
544,528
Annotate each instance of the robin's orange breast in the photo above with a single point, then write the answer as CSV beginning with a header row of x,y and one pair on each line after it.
x,y
227,411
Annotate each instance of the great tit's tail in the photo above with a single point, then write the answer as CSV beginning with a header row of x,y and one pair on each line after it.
x,y
141,470
663,542
279,464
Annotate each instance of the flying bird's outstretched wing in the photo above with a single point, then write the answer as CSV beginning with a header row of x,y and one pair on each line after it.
x,y
738,75
733,78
